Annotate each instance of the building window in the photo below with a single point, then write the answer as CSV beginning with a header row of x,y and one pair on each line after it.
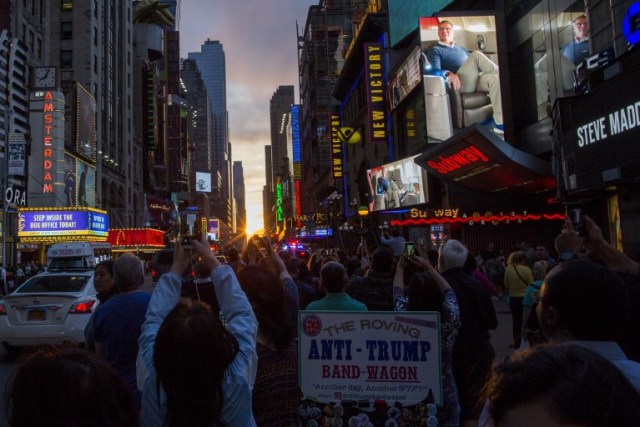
x,y
66,59
67,5
66,30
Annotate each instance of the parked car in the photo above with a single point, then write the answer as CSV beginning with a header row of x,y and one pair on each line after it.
x,y
49,308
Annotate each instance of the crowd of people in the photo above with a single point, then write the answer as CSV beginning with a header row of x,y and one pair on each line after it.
x,y
222,349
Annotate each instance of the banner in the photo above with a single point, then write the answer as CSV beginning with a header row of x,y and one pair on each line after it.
x,y
375,92
371,363
17,154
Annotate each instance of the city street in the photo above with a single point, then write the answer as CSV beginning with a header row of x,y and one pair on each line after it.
x,y
500,338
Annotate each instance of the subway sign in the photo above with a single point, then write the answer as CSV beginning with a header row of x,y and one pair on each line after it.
x,y
375,92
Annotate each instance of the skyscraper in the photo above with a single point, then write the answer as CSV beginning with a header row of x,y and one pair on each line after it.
x,y
280,116
211,64
240,196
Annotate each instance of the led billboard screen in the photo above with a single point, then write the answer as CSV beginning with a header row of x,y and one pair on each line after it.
x,y
396,185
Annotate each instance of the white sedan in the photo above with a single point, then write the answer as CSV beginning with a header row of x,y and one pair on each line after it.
x,y
49,308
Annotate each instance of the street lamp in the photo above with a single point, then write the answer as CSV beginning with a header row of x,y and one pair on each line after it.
x,y
363,212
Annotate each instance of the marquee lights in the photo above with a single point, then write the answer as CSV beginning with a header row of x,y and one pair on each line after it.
x,y
480,219
47,143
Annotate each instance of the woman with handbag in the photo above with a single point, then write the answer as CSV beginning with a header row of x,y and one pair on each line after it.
x,y
517,278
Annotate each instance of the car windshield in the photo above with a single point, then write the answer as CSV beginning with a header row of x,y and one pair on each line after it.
x,y
51,283
61,264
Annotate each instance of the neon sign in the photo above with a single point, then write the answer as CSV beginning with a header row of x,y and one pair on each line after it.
x,y
375,92
477,218
464,157
279,212
336,147
47,144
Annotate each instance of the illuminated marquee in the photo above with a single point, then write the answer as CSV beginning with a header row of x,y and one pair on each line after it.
x,y
464,157
47,143
375,92
454,216
40,223
336,147
136,237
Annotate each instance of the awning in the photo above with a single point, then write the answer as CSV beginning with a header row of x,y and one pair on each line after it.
x,y
478,159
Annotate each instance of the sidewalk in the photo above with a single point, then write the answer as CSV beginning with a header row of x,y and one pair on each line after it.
x,y
501,337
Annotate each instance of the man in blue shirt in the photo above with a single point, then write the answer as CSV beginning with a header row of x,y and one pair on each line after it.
x,y
117,322
577,50
465,71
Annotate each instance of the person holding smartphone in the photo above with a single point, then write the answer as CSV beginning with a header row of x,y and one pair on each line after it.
x,y
393,239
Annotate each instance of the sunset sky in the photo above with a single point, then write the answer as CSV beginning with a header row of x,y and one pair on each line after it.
x,y
259,41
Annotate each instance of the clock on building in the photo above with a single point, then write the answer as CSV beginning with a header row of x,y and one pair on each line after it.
x,y
45,77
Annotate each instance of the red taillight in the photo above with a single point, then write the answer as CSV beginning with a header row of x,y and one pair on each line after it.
x,y
154,273
82,307
2,309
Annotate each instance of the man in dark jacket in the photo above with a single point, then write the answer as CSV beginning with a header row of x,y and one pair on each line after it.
x,y
375,289
472,353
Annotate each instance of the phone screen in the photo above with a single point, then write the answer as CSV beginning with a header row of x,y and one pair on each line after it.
x,y
409,250
189,227
576,215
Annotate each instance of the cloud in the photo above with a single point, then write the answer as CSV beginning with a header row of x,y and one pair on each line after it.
x,y
259,41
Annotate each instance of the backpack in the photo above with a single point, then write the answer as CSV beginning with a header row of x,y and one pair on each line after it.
x,y
376,294
532,324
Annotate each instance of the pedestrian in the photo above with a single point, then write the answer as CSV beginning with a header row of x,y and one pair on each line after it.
x,y
429,291
517,277
333,278
192,370
3,279
472,352
275,393
106,288
65,386
116,325
375,288
20,275
393,239
588,304
559,385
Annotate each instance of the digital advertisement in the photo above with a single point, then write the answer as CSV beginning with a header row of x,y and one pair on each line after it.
x,y
62,223
461,74
399,184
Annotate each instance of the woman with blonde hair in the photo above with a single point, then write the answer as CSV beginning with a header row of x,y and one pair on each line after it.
x,y
517,277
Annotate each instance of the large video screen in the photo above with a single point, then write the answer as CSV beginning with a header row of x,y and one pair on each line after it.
x,y
461,74
396,185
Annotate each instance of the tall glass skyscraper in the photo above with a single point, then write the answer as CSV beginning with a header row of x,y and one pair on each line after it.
x,y
211,64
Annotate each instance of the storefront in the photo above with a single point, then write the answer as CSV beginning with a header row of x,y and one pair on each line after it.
x,y
495,193
597,150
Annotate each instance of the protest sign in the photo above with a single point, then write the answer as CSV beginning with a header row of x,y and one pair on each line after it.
x,y
370,361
